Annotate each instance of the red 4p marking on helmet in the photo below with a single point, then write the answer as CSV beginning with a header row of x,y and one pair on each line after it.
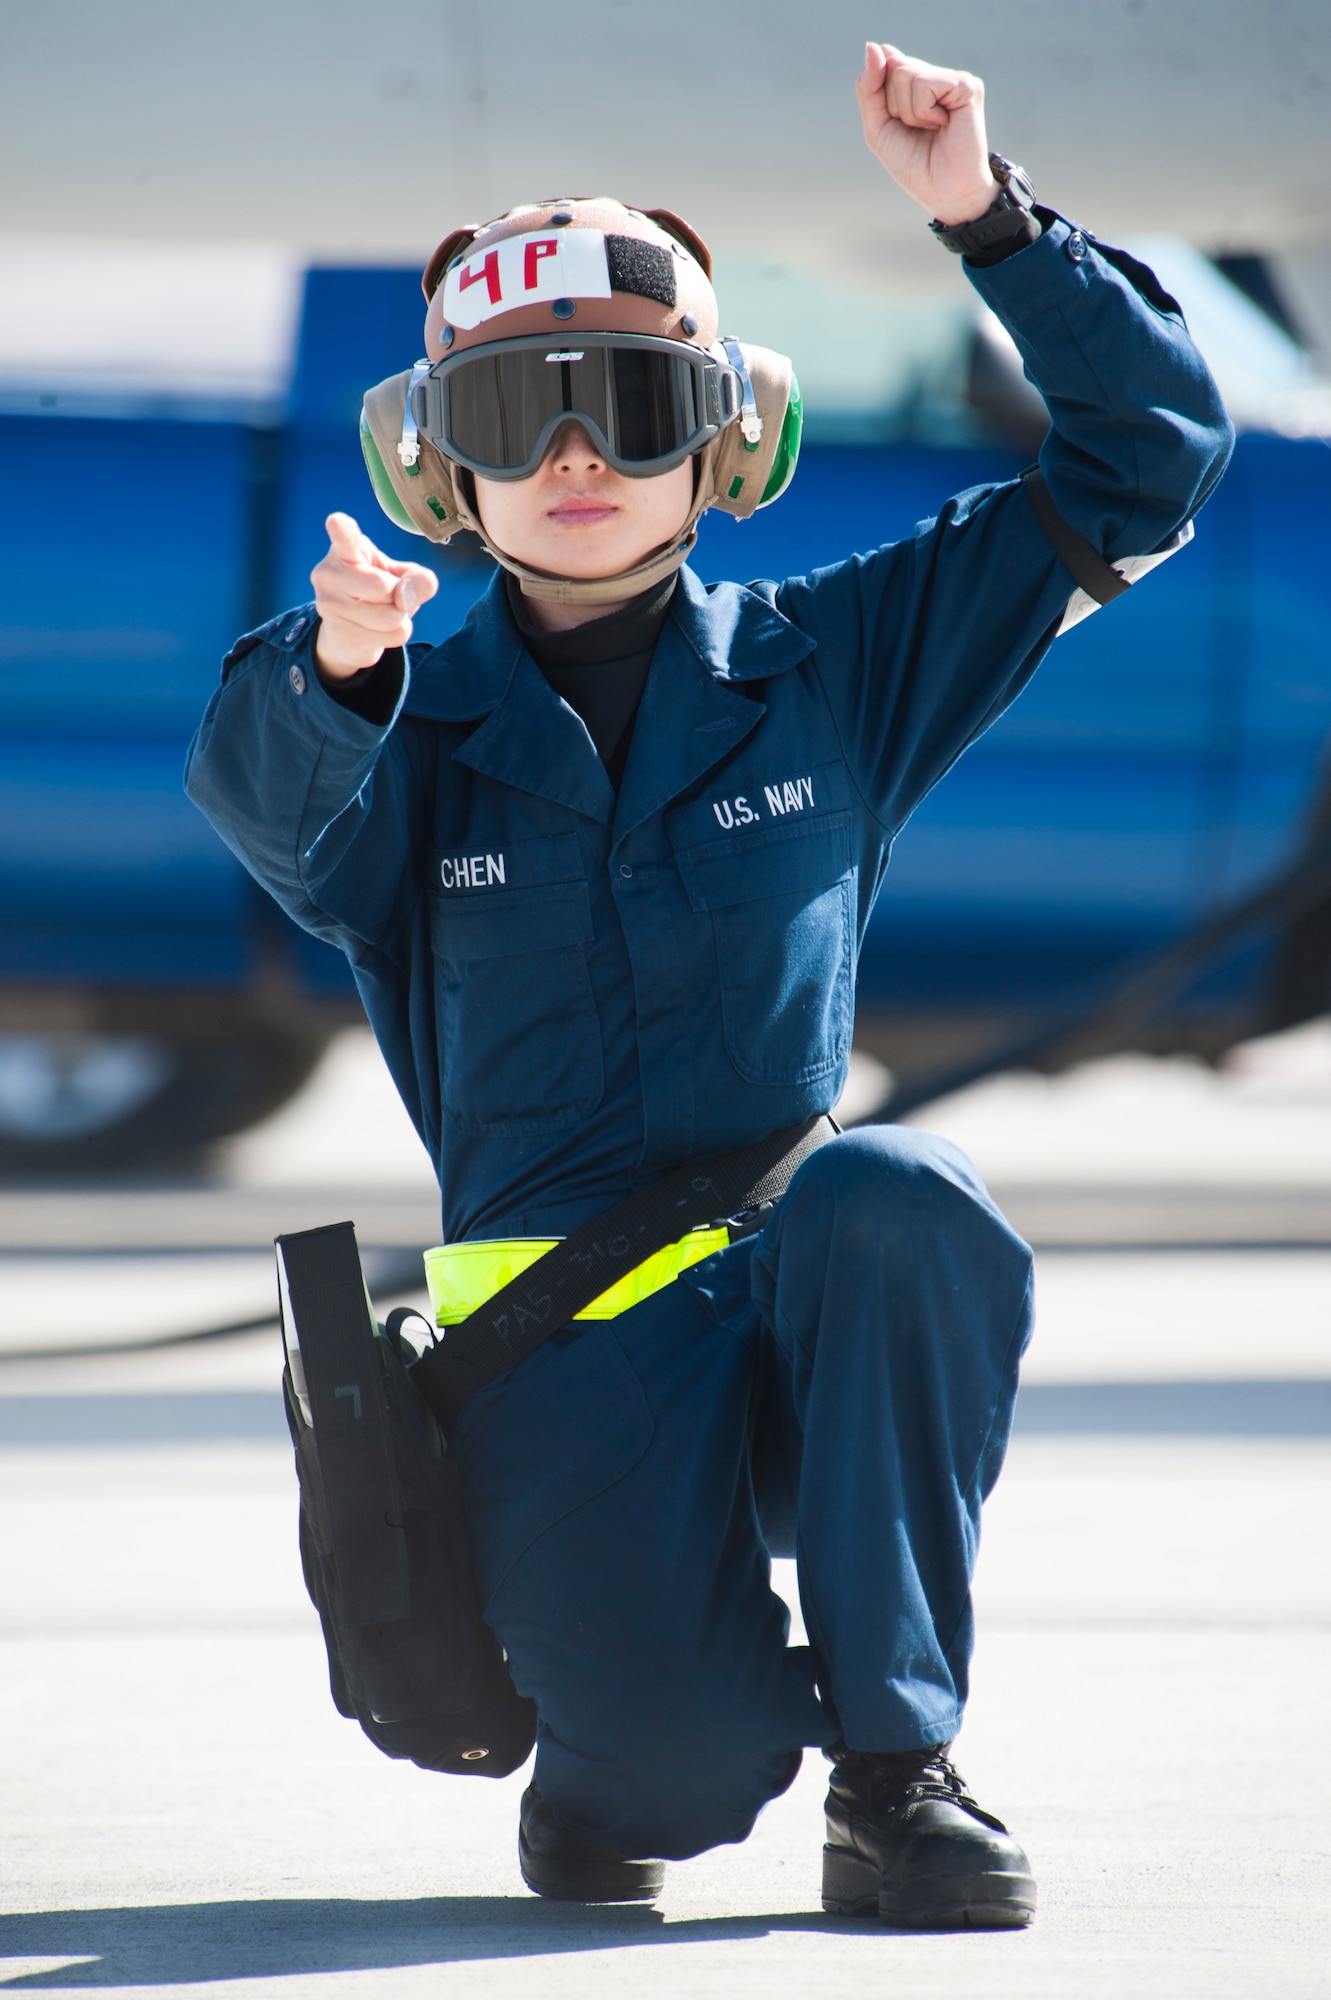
x,y
526,270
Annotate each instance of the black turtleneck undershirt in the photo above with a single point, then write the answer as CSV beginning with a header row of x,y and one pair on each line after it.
x,y
600,669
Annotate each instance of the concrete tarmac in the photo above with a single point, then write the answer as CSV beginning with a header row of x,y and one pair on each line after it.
x,y
183,1812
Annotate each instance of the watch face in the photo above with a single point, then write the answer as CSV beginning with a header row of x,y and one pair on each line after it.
x,y
1019,187
1014,180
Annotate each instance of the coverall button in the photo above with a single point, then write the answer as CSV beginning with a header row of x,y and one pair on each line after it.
x,y
293,632
1076,246
625,870
296,676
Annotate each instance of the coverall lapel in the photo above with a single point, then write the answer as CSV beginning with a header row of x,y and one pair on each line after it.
x,y
527,737
533,741
693,713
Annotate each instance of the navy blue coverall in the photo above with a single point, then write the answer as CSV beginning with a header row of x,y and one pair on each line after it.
x,y
574,991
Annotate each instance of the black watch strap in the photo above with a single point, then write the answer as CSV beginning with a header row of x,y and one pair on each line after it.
x,y
1007,221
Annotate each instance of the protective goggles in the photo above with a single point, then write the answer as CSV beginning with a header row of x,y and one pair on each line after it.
x,y
646,403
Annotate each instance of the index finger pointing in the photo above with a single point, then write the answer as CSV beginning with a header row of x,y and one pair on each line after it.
x,y
349,543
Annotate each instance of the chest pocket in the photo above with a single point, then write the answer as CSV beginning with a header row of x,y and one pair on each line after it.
x,y
781,904
520,1041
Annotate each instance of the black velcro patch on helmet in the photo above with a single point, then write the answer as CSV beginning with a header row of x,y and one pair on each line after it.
x,y
644,269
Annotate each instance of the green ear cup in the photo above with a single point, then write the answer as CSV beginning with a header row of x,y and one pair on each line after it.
x,y
788,448
383,486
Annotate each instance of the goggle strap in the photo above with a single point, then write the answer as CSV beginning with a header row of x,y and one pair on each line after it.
x,y
409,444
750,418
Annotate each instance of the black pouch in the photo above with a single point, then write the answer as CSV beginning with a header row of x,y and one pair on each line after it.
x,y
383,1531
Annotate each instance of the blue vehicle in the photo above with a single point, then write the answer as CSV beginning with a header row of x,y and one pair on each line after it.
x,y
1167,759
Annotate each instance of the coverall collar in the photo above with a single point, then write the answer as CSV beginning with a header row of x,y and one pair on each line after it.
x,y
690,717
737,633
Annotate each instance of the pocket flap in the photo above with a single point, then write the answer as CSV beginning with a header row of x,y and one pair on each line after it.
x,y
529,895
799,860
501,923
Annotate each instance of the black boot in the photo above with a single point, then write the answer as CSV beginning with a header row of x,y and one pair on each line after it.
x,y
905,1838
574,1869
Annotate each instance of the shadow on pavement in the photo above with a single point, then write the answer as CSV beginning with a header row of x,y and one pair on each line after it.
x,y
176,1944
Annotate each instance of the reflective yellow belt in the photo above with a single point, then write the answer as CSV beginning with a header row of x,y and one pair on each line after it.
x,y
462,1276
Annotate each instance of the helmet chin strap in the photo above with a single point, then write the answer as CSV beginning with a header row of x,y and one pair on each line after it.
x,y
654,567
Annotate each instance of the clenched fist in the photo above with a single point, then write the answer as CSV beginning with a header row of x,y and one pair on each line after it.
x,y
364,599
926,126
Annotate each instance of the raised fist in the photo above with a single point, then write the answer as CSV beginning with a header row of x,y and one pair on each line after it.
x,y
926,126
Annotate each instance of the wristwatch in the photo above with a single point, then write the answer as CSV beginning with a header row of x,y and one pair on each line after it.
x,y
1008,216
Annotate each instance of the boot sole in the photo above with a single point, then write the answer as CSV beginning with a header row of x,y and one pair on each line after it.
x,y
994,1901
590,1881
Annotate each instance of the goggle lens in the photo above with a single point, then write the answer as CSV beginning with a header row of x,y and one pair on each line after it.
x,y
656,409
646,404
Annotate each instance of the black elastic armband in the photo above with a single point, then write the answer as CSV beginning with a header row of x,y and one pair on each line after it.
x,y
1080,558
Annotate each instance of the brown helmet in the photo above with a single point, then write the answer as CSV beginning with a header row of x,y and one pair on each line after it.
x,y
655,273
560,269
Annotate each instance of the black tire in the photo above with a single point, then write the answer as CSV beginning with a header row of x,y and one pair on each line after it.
x,y
206,1085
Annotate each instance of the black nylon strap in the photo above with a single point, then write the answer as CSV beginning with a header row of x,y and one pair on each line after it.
x,y
1083,562
326,1319
513,1323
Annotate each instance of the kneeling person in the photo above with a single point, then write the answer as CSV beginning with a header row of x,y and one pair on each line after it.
x,y
601,863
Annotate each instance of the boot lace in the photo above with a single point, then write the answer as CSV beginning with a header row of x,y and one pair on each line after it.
x,y
888,1781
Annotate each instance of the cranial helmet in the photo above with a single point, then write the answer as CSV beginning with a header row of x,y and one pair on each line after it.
x,y
581,311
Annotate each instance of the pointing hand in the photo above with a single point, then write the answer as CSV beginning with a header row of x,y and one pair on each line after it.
x,y
364,599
